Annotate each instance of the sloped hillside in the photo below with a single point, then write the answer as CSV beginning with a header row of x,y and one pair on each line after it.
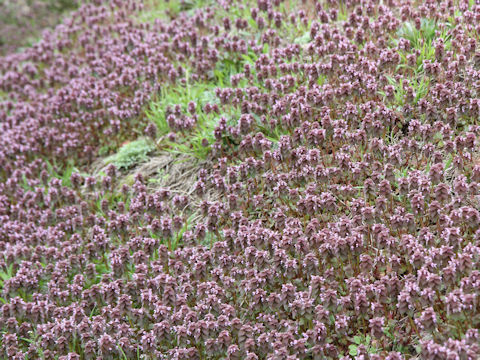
x,y
250,179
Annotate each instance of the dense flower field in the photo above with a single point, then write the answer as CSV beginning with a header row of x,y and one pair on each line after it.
x,y
334,212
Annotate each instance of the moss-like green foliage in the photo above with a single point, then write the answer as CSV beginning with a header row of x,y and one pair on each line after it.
x,y
131,154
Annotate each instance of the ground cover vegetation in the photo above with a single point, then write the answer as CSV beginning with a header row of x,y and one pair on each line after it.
x,y
22,21
327,195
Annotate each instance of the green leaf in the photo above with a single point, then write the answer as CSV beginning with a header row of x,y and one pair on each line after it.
x,y
248,59
124,356
265,48
304,39
4,276
352,350
93,311
27,340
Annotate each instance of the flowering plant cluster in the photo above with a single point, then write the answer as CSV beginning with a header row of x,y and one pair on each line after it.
x,y
344,166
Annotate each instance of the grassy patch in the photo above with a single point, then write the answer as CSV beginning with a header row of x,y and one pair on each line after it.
x,y
165,9
155,9
420,88
421,41
63,174
195,141
426,33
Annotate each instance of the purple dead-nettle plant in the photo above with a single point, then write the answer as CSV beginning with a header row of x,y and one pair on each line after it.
x,y
340,196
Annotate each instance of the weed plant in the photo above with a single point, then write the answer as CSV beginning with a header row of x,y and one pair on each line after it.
x,y
335,210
